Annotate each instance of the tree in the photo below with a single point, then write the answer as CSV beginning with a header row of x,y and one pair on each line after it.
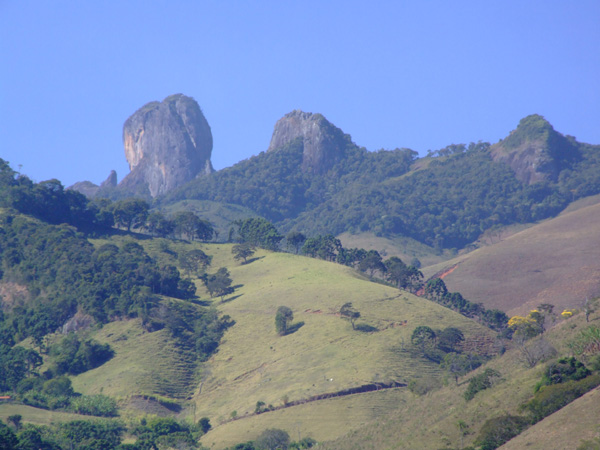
x,y
259,232
372,263
218,284
282,319
158,225
449,338
204,424
273,439
423,336
295,240
435,289
589,307
242,251
403,276
323,247
458,365
348,312
15,419
193,261
189,224
528,326
8,440
130,213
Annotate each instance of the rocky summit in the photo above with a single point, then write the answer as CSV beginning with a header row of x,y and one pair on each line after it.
x,y
323,142
166,144
535,151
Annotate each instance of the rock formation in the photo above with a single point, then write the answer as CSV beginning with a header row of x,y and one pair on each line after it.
x,y
324,144
535,151
167,144
90,189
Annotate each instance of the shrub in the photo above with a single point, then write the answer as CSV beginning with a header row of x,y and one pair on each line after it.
x,y
273,439
551,398
94,405
499,430
480,382
421,386
565,369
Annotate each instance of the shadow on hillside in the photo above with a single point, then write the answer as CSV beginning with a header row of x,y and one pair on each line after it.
x,y
200,302
251,260
230,299
363,327
294,327
237,286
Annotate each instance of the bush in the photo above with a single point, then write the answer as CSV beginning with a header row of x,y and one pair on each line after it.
x,y
565,369
94,405
551,398
480,382
421,386
273,439
499,430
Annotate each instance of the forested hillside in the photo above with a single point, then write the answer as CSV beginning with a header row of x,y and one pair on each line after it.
x,y
446,199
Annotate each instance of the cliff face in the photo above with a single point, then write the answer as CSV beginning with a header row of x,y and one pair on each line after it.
x,y
535,151
166,144
324,144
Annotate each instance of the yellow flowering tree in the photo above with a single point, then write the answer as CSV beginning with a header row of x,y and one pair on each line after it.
x,y
528,326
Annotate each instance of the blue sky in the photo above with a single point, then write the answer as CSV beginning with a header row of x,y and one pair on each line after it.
x,y
416,74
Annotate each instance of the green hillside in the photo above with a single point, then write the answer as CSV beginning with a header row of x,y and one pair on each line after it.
x,y
325,355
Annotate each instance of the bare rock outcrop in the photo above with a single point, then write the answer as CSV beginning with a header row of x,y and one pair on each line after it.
x,y
324,143
166,144
535,151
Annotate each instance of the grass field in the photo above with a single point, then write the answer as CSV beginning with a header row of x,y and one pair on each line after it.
x,y
557,262
324,355
36,415
144,363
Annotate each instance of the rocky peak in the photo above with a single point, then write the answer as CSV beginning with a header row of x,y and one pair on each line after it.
x,y
324,144
166,144
111,181
534,150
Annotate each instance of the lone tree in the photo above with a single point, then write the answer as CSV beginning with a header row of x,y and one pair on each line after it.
x,y
242,251
218,284
348,312
283,318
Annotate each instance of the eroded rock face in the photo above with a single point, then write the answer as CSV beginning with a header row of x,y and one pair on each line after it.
x,y
324,144
534,150
166,144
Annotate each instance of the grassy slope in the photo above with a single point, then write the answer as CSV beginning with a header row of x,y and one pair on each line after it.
x,y
403,247
145,363
564,429
325,355
430,421
557,262
37,415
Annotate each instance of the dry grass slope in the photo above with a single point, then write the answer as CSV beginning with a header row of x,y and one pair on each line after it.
x,y
557,262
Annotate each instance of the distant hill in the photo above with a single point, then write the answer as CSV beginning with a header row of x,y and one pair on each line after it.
x,y
556,261
314,179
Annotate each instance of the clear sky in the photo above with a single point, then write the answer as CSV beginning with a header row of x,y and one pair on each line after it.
x,y
416,74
